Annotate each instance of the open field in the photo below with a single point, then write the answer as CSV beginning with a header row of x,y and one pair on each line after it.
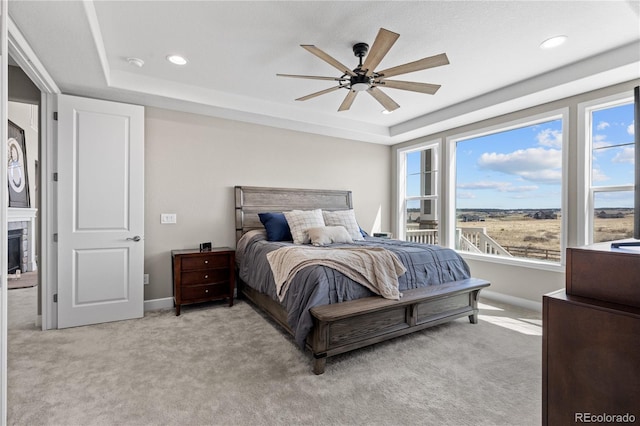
x,y
612,229
516,232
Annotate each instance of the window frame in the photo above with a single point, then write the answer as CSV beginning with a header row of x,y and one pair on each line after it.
x,y
586,190
450,188
401,160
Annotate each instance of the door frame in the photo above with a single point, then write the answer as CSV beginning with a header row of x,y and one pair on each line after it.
x,y
4,106
26,58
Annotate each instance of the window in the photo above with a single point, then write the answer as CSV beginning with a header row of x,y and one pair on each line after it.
x,y
609,169
418,194
509,190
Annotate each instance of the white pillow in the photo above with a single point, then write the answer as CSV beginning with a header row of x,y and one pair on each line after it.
x,y
301,220
346,218
323,235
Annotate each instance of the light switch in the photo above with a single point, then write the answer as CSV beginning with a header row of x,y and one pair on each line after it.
x,y
168,218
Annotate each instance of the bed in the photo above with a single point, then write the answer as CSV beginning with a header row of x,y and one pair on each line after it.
x,y
320,324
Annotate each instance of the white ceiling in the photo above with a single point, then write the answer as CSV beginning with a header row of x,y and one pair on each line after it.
x,y
235,49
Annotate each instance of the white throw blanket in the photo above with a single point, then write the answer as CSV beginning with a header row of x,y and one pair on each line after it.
x,y
376,268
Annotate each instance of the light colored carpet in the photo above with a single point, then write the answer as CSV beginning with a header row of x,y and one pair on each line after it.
x,y
231,366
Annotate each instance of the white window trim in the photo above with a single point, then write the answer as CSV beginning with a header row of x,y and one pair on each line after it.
x,y
586,192
449,193
401,159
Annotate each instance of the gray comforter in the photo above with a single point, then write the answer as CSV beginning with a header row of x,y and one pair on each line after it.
x,y
319,285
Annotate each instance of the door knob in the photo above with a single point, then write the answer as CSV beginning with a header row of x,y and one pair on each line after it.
x,y
136,238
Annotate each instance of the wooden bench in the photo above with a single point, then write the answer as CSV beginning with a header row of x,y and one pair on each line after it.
x,y
347,326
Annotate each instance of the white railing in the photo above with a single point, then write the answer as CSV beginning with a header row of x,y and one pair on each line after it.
x,y
472,239
477,237
465,245
423,236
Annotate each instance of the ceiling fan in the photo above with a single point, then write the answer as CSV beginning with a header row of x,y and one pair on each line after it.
x,y
365,78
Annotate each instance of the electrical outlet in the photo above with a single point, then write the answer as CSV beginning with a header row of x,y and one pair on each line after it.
x,y
145,279
168,218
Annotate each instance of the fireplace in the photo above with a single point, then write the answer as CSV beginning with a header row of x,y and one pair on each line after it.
x,y
22,237
14,247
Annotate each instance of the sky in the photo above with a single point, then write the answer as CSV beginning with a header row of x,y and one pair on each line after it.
x,y
522,168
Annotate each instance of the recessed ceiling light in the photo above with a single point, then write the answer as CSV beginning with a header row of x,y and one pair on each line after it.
x,y
176,59
136,61
552,42
386,111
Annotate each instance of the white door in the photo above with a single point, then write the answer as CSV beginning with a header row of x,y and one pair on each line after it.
x,y
100,211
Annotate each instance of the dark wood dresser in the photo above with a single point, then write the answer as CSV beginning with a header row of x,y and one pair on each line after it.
x,y
202,276
591,340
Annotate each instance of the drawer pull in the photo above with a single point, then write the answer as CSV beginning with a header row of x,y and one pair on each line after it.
x,y
206,261
206,276
206,291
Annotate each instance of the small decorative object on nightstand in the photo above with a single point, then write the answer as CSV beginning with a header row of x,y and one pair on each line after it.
x,y
203,276
383,234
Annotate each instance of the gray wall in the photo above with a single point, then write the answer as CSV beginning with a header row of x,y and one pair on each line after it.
x,y
192,163
21,88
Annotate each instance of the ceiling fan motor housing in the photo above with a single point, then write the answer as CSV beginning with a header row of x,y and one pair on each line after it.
x,y
360,82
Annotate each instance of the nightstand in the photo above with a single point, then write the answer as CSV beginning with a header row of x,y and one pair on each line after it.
x,y
202,276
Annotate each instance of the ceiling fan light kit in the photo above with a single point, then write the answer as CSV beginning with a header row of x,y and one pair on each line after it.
x,y
364,78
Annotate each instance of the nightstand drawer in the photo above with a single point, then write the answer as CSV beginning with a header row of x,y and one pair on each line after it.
x,y
205,261
208,291
205,276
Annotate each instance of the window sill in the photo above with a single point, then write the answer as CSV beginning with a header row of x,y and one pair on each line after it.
x,y
514,261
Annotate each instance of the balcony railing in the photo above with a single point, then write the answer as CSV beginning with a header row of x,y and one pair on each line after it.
x,y
477,237
423,236
473,239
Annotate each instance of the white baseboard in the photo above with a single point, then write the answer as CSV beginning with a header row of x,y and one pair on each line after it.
x,y
512,300
155,304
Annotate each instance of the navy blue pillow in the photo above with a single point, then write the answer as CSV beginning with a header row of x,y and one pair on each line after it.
x,y
363,232
276,226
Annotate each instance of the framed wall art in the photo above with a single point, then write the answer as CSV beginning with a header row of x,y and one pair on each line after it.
x,y
18,181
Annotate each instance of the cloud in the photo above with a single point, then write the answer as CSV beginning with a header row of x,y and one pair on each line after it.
x,y
543,176
598,176
550,137
465,195
498,186
525,188
631,129
602,125
599,141
626,155
533,164
483,185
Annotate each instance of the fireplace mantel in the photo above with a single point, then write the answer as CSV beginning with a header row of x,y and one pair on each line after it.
x,y
15,214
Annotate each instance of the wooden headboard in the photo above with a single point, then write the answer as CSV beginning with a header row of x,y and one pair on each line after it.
x,y
251,200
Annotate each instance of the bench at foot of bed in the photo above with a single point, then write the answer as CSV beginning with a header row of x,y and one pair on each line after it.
x,y
347,326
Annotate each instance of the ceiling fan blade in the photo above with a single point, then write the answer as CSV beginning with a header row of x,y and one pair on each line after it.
x,y
348,100
328,59
421,64
322,92
388,103
412,86
381,46
312,77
